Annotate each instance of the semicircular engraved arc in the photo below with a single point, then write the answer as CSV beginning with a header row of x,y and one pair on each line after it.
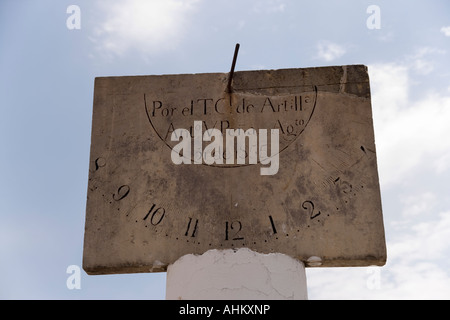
x,y
283,144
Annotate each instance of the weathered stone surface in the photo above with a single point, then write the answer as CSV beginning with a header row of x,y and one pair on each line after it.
x,y
144,211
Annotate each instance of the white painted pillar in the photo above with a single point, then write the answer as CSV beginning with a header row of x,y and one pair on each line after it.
x,y
239,274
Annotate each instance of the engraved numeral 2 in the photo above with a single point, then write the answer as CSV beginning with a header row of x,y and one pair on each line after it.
x,y
309,205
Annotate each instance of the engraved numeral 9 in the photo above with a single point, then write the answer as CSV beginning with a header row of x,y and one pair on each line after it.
x,y
122,192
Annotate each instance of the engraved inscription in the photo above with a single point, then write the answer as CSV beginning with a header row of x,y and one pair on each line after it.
x,y
290,114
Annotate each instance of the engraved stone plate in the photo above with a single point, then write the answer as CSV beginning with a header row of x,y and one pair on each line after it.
x,y
322,198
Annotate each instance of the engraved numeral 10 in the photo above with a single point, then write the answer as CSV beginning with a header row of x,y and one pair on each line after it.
x,y
157,215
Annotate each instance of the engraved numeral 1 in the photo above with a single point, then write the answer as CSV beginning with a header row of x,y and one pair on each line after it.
x,y
273,225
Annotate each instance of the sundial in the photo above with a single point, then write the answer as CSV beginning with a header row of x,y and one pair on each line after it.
x,y
318,196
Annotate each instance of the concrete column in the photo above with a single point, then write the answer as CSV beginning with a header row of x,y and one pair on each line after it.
x,y
236,274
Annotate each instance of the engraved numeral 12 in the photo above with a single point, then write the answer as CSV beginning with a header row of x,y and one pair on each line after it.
x,y
236,226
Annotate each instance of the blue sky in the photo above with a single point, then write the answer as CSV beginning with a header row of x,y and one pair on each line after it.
x,y
46,88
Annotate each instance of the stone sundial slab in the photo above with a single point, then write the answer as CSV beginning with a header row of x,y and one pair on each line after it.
x,y
144,211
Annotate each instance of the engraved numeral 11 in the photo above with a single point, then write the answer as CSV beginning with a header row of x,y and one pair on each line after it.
x,y
189,226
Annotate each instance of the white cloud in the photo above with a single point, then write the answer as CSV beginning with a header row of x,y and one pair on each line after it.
x,y
269,6
415,205
423,66
421,62
446,31
442,163
146,26
329,51
386,36
390,91
417,268
419,260
408,132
